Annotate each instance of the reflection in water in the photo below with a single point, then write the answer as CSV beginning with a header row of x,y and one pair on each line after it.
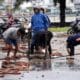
x,y
46,65
67,64
72,65
42,64
70,62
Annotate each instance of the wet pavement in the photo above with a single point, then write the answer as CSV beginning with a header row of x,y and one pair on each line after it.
x,y
57,68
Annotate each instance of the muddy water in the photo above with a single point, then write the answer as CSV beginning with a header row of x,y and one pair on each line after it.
x,y
58,68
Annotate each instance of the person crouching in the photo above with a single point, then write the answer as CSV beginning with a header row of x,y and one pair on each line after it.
x,y
12,37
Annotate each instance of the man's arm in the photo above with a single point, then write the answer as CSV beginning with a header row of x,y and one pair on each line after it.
x,y
46,21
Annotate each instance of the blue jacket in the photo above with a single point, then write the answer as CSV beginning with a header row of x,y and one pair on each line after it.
x,y
39,22
48,20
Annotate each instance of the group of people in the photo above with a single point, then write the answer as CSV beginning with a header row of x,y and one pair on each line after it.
x,y
40,23
74,39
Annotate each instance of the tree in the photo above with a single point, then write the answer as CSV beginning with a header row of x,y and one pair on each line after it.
x,y
1,1
19,2
62,11
71,0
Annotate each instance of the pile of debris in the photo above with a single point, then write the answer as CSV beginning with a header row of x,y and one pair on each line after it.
x,y
12,67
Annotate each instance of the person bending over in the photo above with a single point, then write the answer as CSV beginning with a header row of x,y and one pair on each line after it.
x,y
72,41
12,37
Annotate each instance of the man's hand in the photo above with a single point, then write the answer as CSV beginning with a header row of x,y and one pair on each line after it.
x,y
78,39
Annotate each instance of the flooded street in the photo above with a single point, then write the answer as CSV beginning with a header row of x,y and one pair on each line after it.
x,y
57,68
24,25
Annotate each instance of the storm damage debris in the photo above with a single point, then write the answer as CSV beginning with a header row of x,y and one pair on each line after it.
x,y
10,67
57,54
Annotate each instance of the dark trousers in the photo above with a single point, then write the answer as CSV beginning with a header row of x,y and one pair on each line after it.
x,y
72,48
42,39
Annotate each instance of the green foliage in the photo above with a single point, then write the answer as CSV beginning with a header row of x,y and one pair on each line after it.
x,y
59,29
1,1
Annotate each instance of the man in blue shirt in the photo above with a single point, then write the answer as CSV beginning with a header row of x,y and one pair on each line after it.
x,y
38,23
